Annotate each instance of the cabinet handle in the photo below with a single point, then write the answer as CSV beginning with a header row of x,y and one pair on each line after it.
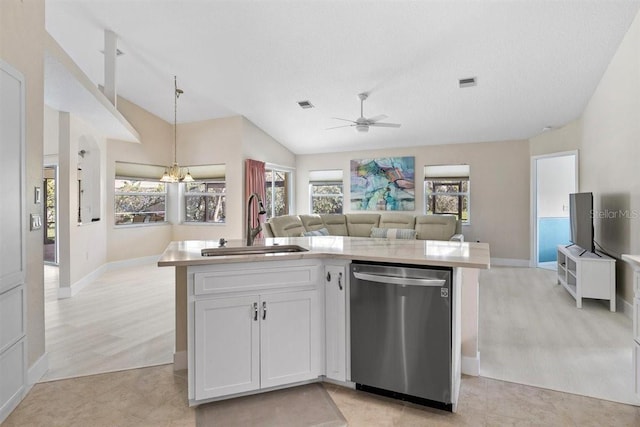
x,y
255,311
340,280
328,276
264,310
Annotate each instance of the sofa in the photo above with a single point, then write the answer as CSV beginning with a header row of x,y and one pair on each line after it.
x,y
387,224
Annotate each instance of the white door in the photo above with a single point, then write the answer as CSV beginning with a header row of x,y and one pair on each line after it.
x,y
554,178
335,322
290,338
12,238
227,360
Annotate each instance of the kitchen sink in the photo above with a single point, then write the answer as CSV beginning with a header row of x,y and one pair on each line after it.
x,y
252,250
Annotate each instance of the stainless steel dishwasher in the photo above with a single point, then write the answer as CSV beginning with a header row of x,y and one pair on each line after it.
x,y
401,332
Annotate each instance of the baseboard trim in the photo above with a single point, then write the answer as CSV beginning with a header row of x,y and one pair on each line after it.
x,y
133,262
70,291
624,307
510,262
38,369
180,360
471,365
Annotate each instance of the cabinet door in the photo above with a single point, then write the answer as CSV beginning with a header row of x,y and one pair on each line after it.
x,y
290,337
335,322
227,340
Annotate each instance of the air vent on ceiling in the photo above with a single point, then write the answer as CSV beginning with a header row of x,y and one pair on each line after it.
x,y
468,82
305,104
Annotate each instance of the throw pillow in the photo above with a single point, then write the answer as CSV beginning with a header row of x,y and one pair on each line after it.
x,y
320,232
393,233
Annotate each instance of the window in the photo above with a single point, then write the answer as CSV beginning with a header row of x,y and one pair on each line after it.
x,y
447,190
204,201
325,191
278,191
139,201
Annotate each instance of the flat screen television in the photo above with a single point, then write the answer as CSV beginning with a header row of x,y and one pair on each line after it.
x,y
581,220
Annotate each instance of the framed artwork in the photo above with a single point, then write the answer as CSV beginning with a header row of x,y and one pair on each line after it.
x,y
383,184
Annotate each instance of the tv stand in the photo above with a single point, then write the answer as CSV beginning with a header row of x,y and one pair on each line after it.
x,y
587,274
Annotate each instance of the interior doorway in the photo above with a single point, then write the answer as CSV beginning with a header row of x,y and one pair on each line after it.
x,y
554,177
50,214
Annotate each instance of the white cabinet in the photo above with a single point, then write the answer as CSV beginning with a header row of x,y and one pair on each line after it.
x,y
12,237
336,322
588,275
289,338
634,261
227,335
265,334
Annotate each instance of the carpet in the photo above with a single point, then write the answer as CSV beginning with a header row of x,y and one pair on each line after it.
x,y
307,405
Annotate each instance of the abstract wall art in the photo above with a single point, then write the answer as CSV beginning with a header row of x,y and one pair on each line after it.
x,y
383,184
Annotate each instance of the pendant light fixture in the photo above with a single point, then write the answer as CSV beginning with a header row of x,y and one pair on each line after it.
x,y
174,172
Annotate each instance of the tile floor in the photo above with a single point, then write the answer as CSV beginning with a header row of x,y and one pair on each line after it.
x,y
156,396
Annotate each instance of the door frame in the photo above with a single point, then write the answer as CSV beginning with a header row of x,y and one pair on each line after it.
x,y
52,162
533,258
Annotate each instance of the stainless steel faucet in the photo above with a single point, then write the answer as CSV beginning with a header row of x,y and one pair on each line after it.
x,y
253,232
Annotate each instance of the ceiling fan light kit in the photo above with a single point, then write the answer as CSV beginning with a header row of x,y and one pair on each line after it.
x,y
362,124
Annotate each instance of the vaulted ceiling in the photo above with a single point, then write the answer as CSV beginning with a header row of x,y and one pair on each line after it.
x,y
537,63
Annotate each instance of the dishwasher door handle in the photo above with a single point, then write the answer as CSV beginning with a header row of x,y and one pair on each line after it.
x,y
398,280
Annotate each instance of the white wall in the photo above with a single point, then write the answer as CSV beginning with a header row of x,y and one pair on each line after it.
x,y
499,176
554,174
610,155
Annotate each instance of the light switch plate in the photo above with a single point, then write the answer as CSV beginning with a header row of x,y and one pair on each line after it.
x,y
35,221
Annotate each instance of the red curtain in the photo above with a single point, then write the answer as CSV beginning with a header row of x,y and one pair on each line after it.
x,y
254,182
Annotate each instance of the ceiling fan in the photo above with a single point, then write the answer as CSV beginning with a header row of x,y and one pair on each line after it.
x,y
362,124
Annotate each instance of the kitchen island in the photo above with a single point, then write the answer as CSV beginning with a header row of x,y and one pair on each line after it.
x,y
283,317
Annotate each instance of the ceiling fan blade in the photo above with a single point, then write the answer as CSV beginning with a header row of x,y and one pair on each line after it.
x,y
346,120
385,125
377,118
343,126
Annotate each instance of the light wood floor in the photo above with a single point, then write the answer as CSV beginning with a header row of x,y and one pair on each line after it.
x,y
123,320
532,333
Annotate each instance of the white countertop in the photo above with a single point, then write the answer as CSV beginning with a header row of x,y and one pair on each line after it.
x,y
634,260
418,252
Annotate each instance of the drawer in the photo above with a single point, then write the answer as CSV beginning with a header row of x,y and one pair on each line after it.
x,y
250,279
12,322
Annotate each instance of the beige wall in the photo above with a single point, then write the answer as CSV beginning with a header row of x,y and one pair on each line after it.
x,y
499,187
216,141
565,138
22,46
258,145
155,148
610,155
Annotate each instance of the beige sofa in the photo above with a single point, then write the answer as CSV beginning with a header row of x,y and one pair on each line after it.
x,y
427,227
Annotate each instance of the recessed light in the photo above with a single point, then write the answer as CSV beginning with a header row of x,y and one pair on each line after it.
x,y
305,104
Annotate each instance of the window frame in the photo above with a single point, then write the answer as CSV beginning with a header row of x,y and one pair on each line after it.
x,y
183,198
289,190
449,174
164,194
313,195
